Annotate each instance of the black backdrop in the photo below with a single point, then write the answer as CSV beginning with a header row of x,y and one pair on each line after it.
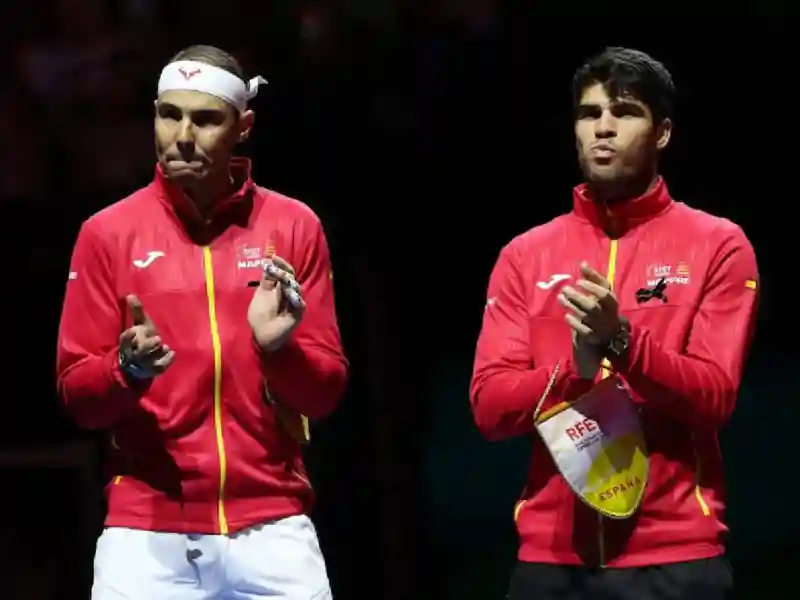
x,y
425,146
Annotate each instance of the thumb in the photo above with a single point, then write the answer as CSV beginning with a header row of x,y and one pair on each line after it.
x,y
137,311
268,284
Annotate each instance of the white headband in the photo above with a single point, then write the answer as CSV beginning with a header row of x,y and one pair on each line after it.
x,y
200,77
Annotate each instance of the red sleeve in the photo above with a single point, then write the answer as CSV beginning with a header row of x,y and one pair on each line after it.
x,y
699,386
309,372
89,381
506,385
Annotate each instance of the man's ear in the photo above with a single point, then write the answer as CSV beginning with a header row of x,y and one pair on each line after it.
x,y
246,121
663,134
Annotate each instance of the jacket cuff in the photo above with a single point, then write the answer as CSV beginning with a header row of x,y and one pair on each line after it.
x,y
623,363
119,379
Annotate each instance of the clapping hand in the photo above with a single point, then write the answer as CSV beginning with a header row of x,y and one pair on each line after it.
x,y
272,313
142,351
593,315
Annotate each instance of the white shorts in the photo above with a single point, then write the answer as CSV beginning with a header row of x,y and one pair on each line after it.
x,y
280,559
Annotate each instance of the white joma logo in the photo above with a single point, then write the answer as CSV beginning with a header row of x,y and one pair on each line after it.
x,y
151,256
554,279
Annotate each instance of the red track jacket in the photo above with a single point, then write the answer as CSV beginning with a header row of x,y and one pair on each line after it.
x,y
684,369
203,448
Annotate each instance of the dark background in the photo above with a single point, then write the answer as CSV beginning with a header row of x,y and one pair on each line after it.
x,y
426,135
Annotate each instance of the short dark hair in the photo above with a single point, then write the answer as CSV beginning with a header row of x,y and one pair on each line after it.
x,y
626,71
211,55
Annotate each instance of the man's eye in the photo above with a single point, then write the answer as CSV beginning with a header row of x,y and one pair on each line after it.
x,y
169,115
627,111
209,118
588,113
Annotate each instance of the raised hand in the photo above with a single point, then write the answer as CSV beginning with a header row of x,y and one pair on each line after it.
x,y
593,311
272,313
143,355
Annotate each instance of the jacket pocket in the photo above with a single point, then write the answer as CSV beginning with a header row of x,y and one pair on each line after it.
x,y
292,423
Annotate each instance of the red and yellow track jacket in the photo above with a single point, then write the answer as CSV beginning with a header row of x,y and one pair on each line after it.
x,y
211,445
683,367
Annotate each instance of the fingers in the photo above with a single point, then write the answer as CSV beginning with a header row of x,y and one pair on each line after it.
x,y
593,288
572,299
162,363
576,324
145,346
593,276
295,304
153,356
141,343
275,275
589,314
267,283
140,339
580,308
273,271
605,297
140,346
567,303
127,337
598,296
283,265
138,315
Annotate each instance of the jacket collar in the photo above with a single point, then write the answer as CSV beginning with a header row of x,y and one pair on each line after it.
x,y
237,204
620,218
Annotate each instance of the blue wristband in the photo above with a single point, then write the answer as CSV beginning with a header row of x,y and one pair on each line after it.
x,y
129,367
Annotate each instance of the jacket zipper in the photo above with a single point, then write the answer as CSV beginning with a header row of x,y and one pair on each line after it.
x,y
610,273
208,267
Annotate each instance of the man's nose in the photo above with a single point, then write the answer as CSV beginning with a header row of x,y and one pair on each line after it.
x,y
605,126
185,141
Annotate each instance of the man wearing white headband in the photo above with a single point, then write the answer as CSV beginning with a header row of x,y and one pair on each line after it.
x,y
203,354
